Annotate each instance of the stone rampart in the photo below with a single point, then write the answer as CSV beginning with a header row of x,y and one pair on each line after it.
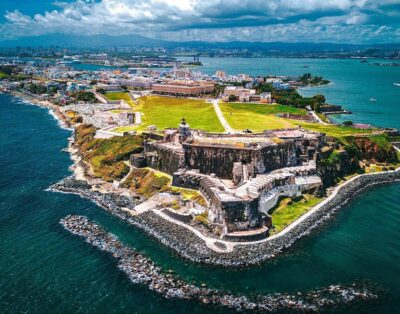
x,y
167,159
219,159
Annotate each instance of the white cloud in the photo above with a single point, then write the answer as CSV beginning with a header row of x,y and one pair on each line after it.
x,y
219,20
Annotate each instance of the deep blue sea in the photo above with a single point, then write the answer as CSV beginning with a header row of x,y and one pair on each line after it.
x,y
44,269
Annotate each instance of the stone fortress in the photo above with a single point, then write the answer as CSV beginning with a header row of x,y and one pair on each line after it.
x,y
242,175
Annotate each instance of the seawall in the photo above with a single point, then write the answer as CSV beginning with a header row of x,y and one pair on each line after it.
x,y
190,246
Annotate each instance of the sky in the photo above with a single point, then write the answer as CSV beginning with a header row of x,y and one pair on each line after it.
x,y
336,21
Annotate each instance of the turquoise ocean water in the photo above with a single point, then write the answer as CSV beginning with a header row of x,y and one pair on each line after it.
x,y
43,269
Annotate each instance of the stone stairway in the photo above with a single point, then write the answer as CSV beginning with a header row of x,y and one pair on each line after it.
x,y
309,169
264,181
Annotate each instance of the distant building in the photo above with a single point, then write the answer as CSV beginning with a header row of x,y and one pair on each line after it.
x,y
266,98
181,74
242,94
184,88
280,85
137,82
220,74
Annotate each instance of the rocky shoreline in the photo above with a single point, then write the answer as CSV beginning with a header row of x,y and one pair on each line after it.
x,y
188,245
141,270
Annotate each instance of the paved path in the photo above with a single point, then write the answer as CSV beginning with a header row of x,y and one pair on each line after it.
x,y
210,242
316,117
221,117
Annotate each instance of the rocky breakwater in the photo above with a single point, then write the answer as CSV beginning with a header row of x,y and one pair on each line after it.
x,y
141,270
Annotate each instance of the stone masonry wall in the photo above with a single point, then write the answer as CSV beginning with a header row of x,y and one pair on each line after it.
x,y
220,160
168,160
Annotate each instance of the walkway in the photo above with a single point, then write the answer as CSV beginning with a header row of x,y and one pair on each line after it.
x,y
210,242
221,117
316,117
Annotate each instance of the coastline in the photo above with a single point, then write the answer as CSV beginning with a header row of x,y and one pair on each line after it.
x,y
189,246
193,247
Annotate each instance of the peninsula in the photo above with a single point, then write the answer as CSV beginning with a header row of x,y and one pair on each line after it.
x,y
223,169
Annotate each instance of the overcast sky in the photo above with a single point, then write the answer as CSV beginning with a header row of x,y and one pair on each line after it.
x,y
340,21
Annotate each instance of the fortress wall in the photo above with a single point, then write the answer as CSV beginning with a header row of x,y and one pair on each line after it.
x,y
241,215
220,160
167,160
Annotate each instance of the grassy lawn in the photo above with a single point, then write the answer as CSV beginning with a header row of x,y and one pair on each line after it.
x,y
289,210
258,117
167,112
120,96
334,130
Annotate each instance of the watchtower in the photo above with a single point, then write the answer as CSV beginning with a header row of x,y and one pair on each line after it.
x,y
184,130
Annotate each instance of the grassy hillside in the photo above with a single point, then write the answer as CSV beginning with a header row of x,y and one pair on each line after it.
x,y
106,156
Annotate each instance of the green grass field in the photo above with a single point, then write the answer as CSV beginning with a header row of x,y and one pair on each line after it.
x,y
167,112
334,130
289,210
120,96
258,117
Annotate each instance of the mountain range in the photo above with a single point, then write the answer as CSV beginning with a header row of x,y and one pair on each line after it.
x,y
106,41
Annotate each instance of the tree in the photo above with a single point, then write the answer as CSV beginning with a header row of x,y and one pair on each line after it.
x,y
320,99
124,87
218,90
101,90
317,108
232,98
86,97
93,82
348,123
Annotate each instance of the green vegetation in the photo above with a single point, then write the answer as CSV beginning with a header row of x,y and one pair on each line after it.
x,y
258,117
291,97
347,123
101,90
308,79
334,130
289,210
106,156
36,88
218,90
147,182
85,96
4,75
167,112
120,96
323,118
203,219
187,194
